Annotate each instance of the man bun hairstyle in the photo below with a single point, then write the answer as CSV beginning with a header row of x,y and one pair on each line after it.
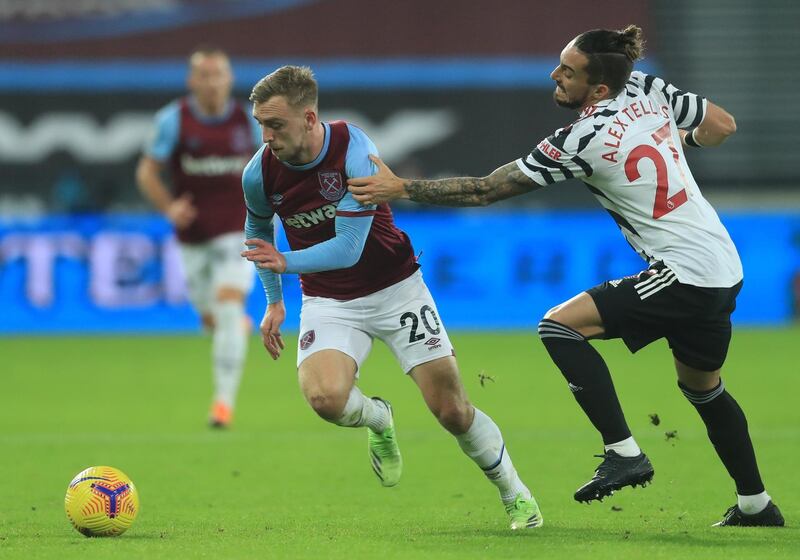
x,y
611,55
632,41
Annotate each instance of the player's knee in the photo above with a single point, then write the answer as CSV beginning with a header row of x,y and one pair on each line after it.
x,y
702,375
327,403
552,314
455,416
227,316
229,293
706,381
550,324
552,331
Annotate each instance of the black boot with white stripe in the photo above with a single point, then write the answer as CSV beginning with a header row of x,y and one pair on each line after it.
x,y
613,473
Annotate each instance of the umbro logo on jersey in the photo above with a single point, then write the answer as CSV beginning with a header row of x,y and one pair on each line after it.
x,y
332,185
276,198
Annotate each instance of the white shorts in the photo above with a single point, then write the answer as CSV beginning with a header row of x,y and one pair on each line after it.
x,y
215,264
403,316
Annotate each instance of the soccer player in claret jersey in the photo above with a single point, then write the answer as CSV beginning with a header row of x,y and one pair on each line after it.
x,y
627,147
360,281
204,140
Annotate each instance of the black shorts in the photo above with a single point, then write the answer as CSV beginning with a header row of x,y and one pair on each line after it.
x,y
653,304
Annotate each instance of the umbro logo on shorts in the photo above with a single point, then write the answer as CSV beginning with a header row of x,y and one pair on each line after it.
x,y
307,340
433,343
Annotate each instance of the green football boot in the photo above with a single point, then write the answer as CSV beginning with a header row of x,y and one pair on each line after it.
x,y
384,454
524,513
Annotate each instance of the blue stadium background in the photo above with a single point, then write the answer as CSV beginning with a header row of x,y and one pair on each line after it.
x,y
462,89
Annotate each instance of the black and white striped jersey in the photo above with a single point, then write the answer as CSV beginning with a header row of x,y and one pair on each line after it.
x,y
628,152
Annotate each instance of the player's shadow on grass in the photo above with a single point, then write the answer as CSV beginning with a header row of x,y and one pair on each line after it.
x,y
480,532
694,536
733,537
136,535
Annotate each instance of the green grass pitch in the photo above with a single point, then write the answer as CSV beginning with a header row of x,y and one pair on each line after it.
x,y
284,484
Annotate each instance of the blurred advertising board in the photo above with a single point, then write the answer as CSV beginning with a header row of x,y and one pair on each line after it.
x,y
487,270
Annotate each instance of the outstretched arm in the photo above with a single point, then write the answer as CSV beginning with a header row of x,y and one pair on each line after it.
x,y
504,182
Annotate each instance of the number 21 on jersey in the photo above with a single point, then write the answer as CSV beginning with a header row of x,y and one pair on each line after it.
x,y
664,204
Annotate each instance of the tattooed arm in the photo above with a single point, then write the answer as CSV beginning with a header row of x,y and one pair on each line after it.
x,y
504,182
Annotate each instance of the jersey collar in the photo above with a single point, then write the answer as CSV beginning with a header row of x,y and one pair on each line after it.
x,y
322,153
591,109
200,116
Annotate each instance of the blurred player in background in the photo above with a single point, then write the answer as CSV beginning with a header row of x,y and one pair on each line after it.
x,y
204,140
627,147
360,281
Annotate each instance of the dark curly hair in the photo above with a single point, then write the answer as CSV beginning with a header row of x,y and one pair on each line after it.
x,y
611,55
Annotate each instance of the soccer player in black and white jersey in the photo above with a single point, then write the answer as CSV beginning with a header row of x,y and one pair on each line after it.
x,y
627,146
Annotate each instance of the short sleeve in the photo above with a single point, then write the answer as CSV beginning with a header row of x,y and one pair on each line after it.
x,y
253,186
164,136
559,156
358,164
688,108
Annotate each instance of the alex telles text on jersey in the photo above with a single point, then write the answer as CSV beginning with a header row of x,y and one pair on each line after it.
x,y
628,152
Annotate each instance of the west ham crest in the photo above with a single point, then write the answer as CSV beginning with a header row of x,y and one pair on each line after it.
x,y
307,339
332,185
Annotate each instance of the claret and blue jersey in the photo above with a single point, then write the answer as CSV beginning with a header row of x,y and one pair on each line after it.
x,y
341,249
205,156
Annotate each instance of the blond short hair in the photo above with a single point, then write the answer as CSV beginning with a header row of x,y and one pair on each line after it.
x,y
295,83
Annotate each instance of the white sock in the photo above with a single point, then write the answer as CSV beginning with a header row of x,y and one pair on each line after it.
x,y
483,443
360,410
625,448
753,504
229,347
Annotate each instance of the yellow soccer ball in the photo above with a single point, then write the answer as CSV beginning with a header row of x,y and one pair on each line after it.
x,y
101,502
